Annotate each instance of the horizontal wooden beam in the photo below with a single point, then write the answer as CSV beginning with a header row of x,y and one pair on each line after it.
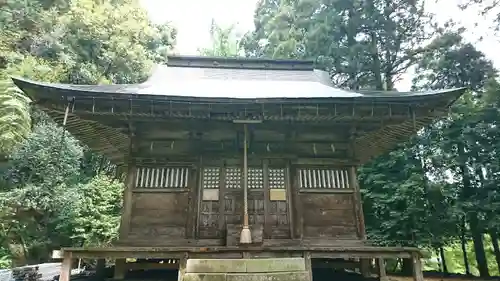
x,y
234,153
179,251
234,143
217,159
273,112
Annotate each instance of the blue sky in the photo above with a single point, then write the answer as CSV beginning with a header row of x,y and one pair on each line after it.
x,y
193,17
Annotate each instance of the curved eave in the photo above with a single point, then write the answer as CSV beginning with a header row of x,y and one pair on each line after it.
x,y
101,139
53,91
114,144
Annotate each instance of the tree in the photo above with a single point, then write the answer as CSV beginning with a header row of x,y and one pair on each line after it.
x,y
224,42
363,44
15,123
85,41
465,138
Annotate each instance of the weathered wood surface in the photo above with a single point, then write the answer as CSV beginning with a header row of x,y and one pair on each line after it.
x,y
158,216
328,215
233,234
217,252
111,126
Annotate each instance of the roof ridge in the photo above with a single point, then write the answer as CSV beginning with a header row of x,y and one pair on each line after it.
x,y
239,63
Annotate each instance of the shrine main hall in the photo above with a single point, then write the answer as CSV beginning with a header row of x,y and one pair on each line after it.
x,y
239,169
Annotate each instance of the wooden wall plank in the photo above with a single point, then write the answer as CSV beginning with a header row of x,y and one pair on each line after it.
x,y
328,215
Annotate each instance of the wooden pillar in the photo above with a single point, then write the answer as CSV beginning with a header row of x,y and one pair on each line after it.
x,y
66,267
382,274
199,190
127,200
360,219
182,267
365,267
120,269
358,205
193,202
267,202
307,258
289,199
417,268
297,205
222,199
100,269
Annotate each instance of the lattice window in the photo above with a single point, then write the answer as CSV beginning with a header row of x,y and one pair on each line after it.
x,y
276,178
323,178
171,177
233,178
211,178
255,178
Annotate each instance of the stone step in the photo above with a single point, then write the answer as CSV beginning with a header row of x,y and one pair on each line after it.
x,y
245,265
272,276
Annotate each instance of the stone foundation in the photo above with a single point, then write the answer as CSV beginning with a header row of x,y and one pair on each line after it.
x,y
283,269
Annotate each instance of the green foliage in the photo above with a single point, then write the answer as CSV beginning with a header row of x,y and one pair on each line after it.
x,y
93,217
15,123
225,42
49,157
422,192
53,191
363,44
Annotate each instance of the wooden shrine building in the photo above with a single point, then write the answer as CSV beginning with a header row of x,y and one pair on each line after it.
x,y
233,158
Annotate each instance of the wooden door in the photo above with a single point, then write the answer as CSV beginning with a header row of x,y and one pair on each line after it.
x,y
222,200
278,215
232,194
256,210
209,206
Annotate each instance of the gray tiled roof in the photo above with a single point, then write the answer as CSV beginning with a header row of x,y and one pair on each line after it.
x,y
230,78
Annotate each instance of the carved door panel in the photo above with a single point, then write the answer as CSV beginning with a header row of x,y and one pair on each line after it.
x,y
233,196
208,224
222,201
278,217
256,210
209,219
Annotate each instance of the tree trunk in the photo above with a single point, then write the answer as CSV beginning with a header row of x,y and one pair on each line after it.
x,y
477,238
476,231
496,249
376,68
443,260
351,42
463,242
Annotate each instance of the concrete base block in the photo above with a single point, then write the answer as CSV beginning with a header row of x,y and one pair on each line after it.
x,y
204,277
245,265
275,265
275,276
283,269
215,265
